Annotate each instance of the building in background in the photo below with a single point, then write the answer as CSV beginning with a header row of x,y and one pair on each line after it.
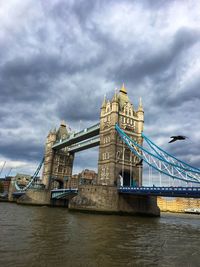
x,y
22,179
6,183
87,177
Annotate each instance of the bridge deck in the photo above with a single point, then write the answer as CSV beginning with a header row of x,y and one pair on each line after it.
x,y
64,193
193,192
92,142
78,137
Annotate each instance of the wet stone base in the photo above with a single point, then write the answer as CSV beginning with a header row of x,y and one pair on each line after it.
x,y
106,199
59,203
35,197
41,198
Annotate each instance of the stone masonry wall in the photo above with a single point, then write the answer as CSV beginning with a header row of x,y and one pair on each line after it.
x,y
35,197
95,198
106,199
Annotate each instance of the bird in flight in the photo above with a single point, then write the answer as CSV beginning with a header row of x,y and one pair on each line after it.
x,y
177,137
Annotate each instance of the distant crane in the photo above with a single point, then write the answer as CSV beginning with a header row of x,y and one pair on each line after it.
x,y
9,172
2,167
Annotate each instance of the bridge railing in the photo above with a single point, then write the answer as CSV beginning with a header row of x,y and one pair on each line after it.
x,y
86,130
74,136
83,144
63,193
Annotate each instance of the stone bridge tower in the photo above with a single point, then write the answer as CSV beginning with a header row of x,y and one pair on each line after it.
x,y
115,159
57,170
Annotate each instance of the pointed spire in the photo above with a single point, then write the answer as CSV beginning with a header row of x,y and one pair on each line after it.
x,y
115,98
104,102
123,89
63,123
52,131
140,107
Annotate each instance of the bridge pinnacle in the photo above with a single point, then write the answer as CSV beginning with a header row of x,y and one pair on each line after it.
x,y
123,89
63,123
140,107
104,102
115,98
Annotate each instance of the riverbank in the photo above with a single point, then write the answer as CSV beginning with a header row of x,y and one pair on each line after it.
x,y
177,205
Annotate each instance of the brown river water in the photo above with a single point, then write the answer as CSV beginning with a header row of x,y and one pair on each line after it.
x,y
33,236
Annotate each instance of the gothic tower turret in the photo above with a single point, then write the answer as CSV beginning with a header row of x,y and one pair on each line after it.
x,y
115,159
57,170
48,157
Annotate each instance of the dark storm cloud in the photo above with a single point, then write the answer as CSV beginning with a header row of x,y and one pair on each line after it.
x,y
24,150
156,63
86,108
152,4
190,93
83,9
27,78
59,58
83,104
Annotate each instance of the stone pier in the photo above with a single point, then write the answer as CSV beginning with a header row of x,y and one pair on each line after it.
x,y
105,199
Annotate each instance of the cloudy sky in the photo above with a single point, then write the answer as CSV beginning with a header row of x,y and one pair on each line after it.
x,y
58,59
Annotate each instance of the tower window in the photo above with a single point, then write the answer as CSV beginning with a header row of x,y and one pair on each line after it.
x,y
105,155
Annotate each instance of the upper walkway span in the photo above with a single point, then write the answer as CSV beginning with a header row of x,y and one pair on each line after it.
x,y
78,137
92,142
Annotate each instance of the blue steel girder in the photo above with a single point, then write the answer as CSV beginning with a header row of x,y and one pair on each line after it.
x,y
64,193
188,192
74,138
170,158
159,163
32,180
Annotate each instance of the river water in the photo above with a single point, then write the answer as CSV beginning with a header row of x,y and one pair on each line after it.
x,y
43,236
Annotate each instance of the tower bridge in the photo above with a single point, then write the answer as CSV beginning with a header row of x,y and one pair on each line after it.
x,y
119,185
61,145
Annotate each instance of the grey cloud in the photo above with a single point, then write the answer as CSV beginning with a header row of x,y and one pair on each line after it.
x,y
147,63
27,151
155,5
82,104
68,41
174,99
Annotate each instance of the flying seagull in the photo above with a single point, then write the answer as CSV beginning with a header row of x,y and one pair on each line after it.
x,y
177,137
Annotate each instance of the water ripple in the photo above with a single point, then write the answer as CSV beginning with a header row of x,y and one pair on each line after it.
x,y
42,236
